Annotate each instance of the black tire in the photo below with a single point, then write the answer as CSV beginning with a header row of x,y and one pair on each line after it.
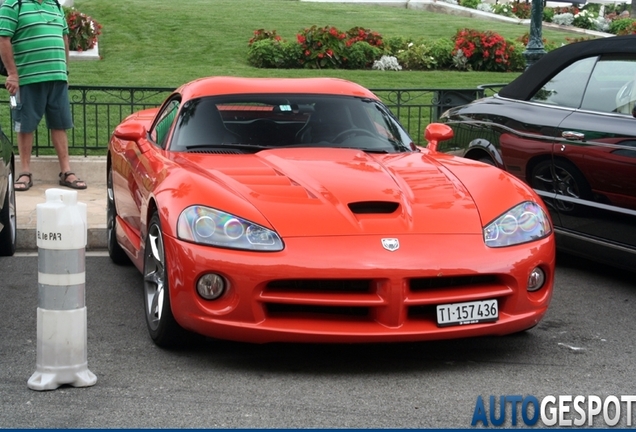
x,y
116,253
8,219
563,178
163,329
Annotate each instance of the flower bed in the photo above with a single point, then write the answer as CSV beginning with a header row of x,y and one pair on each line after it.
x,y
588,17
360,48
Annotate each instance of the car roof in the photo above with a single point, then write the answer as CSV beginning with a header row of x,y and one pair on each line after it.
x,y
225,85
531,80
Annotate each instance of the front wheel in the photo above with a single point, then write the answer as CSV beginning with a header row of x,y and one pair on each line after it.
x,y
562,178
163,328
116,253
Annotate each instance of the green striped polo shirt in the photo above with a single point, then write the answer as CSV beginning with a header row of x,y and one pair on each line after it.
x,y
37,38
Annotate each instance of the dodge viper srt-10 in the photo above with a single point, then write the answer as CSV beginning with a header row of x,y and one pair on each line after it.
x,y
299,210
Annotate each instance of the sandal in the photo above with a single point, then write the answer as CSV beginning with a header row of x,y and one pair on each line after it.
x,y
75,184
23,185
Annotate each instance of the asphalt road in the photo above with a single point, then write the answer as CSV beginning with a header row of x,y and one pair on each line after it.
x,y
584,346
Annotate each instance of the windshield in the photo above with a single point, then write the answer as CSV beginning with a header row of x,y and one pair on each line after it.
x,y
250,123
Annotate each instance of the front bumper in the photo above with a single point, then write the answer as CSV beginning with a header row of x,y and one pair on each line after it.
x,y
350,289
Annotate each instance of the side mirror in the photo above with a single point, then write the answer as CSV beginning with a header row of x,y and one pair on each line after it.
x,y
436,132
130,131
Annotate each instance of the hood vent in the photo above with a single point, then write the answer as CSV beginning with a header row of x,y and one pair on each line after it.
x,y
217,151
373,207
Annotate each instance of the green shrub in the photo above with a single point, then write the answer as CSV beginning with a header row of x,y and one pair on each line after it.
x,y
417,56
442,51
292,54
361,55
267,53
470,3
516,59
393,45
548,13
622,26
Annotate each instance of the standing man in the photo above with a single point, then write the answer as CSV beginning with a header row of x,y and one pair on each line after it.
x,y
34,49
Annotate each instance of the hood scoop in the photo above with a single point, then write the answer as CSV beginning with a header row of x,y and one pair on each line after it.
x,y
373,207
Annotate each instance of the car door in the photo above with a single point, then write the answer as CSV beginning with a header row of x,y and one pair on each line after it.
x,y
595,151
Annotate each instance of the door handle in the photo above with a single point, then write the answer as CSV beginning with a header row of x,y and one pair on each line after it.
x,y
571,135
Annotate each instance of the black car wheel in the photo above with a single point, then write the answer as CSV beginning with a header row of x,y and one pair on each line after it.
x,y
562,178
8,222
162,326
116,253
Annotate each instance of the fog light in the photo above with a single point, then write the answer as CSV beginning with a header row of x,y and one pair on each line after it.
x,y
211,286
536,279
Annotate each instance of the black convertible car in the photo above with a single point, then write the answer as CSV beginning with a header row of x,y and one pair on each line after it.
x,y
567,127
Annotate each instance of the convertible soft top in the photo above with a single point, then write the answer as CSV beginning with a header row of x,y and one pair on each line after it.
x,y
532,79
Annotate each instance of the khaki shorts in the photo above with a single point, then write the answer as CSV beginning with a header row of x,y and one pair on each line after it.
x,y
46,99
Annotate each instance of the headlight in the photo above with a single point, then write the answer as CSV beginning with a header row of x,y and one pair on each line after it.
x,y
212,227
521,224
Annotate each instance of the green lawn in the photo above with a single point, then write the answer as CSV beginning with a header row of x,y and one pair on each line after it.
x,y
166,42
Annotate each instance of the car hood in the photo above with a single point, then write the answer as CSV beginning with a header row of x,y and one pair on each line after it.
x,y
314,191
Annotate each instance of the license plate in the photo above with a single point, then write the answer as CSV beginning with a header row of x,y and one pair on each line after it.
x,y
467,313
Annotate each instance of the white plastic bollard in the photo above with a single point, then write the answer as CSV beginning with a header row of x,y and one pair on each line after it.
x,y
61,314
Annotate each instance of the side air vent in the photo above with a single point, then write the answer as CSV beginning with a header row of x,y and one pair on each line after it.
x,y
373,207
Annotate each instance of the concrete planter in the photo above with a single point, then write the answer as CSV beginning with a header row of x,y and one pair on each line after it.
x,y
91,54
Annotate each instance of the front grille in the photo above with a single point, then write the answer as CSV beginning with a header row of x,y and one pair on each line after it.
x,y
421,284
321,285
317,312
391,302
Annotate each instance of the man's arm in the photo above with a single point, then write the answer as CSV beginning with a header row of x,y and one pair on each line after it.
x,y
66,50
6,52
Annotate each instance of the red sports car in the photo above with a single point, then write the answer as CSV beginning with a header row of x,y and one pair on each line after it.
x,y
299,210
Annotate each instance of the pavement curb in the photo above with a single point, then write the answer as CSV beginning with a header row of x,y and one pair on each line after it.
x,y
45,171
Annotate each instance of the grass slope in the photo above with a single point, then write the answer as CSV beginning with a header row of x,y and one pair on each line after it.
x,y
167,42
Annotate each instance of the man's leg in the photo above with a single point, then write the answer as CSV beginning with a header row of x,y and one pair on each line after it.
x,y
25,146
60,142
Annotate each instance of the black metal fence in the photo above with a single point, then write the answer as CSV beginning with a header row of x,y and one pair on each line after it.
x,y
97,110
